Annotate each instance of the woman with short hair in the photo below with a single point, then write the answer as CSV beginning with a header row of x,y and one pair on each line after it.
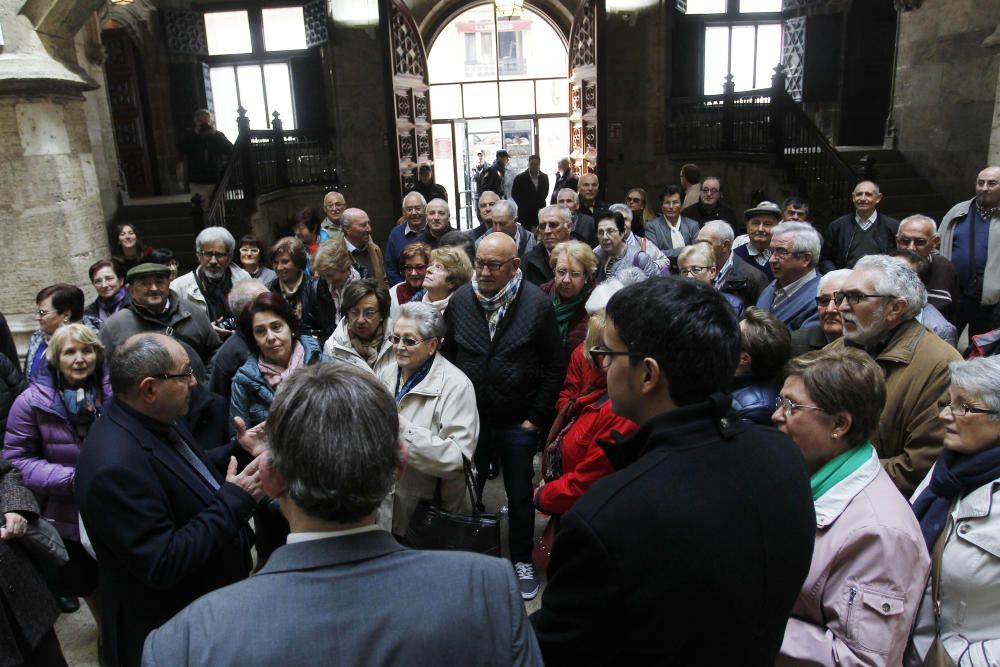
x,y
697,261
614,254
413,262
289,259
251,257
869,563
573,265
108,278
307,227
58,305
335,271
360,337
448,269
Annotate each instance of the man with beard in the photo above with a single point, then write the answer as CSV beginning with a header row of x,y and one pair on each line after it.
x,y
879,302
208,286
831,324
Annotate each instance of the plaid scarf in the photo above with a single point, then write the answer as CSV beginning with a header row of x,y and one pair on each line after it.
x,y
496,306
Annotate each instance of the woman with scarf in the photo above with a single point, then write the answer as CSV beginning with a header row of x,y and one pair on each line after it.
x,y
268,325
958,505
413,262
869,563
289,260
438,417
448,268
332,264
46,428
108,278
58,305
360,337
614,254
574,265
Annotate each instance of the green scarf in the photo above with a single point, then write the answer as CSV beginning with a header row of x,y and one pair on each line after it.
x,y
565,311
838,469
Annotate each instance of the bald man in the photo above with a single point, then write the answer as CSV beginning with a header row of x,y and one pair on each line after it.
x,y
503,334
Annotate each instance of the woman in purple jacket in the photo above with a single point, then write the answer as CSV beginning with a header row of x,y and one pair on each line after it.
x,y
45,431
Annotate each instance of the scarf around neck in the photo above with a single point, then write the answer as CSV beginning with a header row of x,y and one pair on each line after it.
x,y
839,468
413,380
566,309
215,291
496,306
954,475
82,404
275,375
108,307
369,350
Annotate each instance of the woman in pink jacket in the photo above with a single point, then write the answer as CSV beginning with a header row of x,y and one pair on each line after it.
x,y
869,563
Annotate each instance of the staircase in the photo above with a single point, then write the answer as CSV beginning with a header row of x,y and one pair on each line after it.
x,y
163,222
904,191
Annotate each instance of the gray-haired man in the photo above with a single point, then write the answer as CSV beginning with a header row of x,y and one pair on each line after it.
x,y
208,286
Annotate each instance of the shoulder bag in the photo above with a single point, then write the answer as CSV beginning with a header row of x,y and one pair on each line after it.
x,y
937,654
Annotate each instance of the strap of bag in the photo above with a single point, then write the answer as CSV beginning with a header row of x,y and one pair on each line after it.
x,y
470,484
937,554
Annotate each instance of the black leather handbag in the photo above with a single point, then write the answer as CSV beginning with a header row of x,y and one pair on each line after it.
x,y
434,528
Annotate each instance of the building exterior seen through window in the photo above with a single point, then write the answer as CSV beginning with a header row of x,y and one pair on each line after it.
x,y
741,37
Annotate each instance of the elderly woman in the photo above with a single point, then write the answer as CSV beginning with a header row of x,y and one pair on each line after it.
x,y
289,259
58,305
574,265
360,337
413,262
127,248
448,269
613,254
250,258
958,506
697,261
438,418
670,231
333,265
637,202
869,563
108,278
46,428
639,241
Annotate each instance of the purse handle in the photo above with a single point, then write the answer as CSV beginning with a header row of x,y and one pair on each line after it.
x,y
470,483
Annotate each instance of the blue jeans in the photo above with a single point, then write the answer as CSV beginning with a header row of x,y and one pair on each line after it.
x,y
514,448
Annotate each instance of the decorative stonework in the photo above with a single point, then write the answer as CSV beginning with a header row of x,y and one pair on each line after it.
x,y
185,32
403,107
407,48
583,43
314,15
793,53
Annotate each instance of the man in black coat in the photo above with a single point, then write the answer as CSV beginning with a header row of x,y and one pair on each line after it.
x,y
734,275
491,178
565,178
710,207
694,551
502,333
167,518
529,191
584,228
554,224
863,232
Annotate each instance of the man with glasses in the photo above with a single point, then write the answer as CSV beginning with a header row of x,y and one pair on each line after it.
x,y
504,218
503,334
919,234
554,223
831,323
702,508
863,232
412,230
710,206
795,249
584,228
334,206
166,514
879,302
207,287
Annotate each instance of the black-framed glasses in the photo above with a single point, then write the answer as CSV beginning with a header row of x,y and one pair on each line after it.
x,y
493,264
823,301
692,270
183,375
964,409
790,406
854,297
602,357
407,342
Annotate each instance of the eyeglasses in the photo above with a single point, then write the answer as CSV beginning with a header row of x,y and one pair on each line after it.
x,y
43,313
602,357
574,275
183,375
906,241
964,409
493,264
609,232
634,200
407,342
692,270
824,301
212,254
367,314
414,268
250,251
785,253
790,406
854,297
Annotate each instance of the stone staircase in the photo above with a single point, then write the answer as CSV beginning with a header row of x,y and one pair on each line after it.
x,y
163,222
905,191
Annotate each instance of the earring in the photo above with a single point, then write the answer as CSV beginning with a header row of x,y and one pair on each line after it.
x,y
834,435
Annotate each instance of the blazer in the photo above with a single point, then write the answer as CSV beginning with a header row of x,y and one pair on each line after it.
x,y
658,231
419,608
529,199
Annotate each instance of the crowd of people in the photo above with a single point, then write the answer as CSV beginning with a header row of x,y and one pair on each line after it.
x,y
758,441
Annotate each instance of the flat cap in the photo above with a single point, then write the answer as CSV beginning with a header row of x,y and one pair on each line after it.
x,y
764,208
147,269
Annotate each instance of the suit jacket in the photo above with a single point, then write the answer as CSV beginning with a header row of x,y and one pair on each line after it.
x,y
584,229
658,231
563,181
302,609
529,199
797,310
163,538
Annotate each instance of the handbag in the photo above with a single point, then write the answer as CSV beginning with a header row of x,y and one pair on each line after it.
x,y
937,654
432,527
42,541
543,545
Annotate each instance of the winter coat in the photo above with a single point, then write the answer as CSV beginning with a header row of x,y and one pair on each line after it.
x,y
187,287
38,339
45,447
12,383
439,423
868,571
580,374
338,346
754,401
744,281
632,257
577,329
252,395
307,295
536,267
233,354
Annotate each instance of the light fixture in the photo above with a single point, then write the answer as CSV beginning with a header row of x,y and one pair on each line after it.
x,y
122,2
508,9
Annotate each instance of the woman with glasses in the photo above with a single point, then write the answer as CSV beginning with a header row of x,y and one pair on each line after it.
x,y
697,261
58,305
574,265
614,254
958,506
636,201
448,269
46,428
108,278
413,261
438,417
869,563
361,337
250,258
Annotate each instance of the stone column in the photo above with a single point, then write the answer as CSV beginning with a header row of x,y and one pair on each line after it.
x,y
993,157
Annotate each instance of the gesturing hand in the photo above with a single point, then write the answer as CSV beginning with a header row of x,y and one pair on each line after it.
x,y
248,479
14,525
252,440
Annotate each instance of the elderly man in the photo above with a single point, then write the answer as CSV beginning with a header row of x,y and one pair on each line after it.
x,y
831,323
691,184
554,223
329,482
879,302
208,286
584,227
760,225
710,206
919,234
333,205
795,209
863,232
734,275
587,189
791,295
505,220
565,178
970,238
648,533
485,211
503,334
412,230
167,517
156,308
438,221
235,351
529,192
366,257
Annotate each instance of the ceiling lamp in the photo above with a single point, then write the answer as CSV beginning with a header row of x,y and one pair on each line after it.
x,y
508,9
122,2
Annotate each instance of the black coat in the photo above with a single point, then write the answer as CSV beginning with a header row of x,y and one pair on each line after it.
x,y
564,181
517,374
12,383
744,281
692,553
700,214
535,265
529,200
306,294
491,179
324,316
839,234
584,229
233,354
162,538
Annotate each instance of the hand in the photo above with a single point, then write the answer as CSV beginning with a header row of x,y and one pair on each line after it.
x,y
528,426
222,332
14,525
248,479
252,440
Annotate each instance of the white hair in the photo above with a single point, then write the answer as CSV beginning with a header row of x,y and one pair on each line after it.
x,y
505,206
979,377
721,228
836,274
893,278
215,235
623,209
919,217
414,193
576,197
804,238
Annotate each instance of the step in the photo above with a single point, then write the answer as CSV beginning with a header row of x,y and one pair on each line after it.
x,y
911,185
913,203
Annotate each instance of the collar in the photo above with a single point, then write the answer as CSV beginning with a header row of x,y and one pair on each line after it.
x,y
294,538
295,288
330,223
676,227
158,428
724,271
351,248
794,287
410,231
865,224
347,549
832,504
754,253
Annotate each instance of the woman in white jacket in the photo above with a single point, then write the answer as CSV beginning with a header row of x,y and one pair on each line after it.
x,y
361,337
438,417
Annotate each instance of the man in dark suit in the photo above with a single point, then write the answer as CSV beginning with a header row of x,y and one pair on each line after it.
x,y
166,524
648,536
863,232
529,191
342,591
565,178
710,206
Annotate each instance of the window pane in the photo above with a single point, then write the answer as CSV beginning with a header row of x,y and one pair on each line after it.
x,y
277,83
284,29
747,6
465,49
480,100
444,162
716,59
252,96
446,101
517,98
743,52
552,96
529,47
768,53
706,6
484,135
553,143
225,100
227,32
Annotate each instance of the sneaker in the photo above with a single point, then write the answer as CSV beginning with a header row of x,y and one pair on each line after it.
x,y
525,573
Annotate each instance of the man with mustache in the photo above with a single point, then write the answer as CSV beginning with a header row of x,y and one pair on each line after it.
x,y
831,324
794,252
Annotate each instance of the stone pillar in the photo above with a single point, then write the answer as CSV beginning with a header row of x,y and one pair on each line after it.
x,y
993,157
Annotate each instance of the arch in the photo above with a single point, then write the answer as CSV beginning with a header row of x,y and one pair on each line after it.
x,y
557,15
